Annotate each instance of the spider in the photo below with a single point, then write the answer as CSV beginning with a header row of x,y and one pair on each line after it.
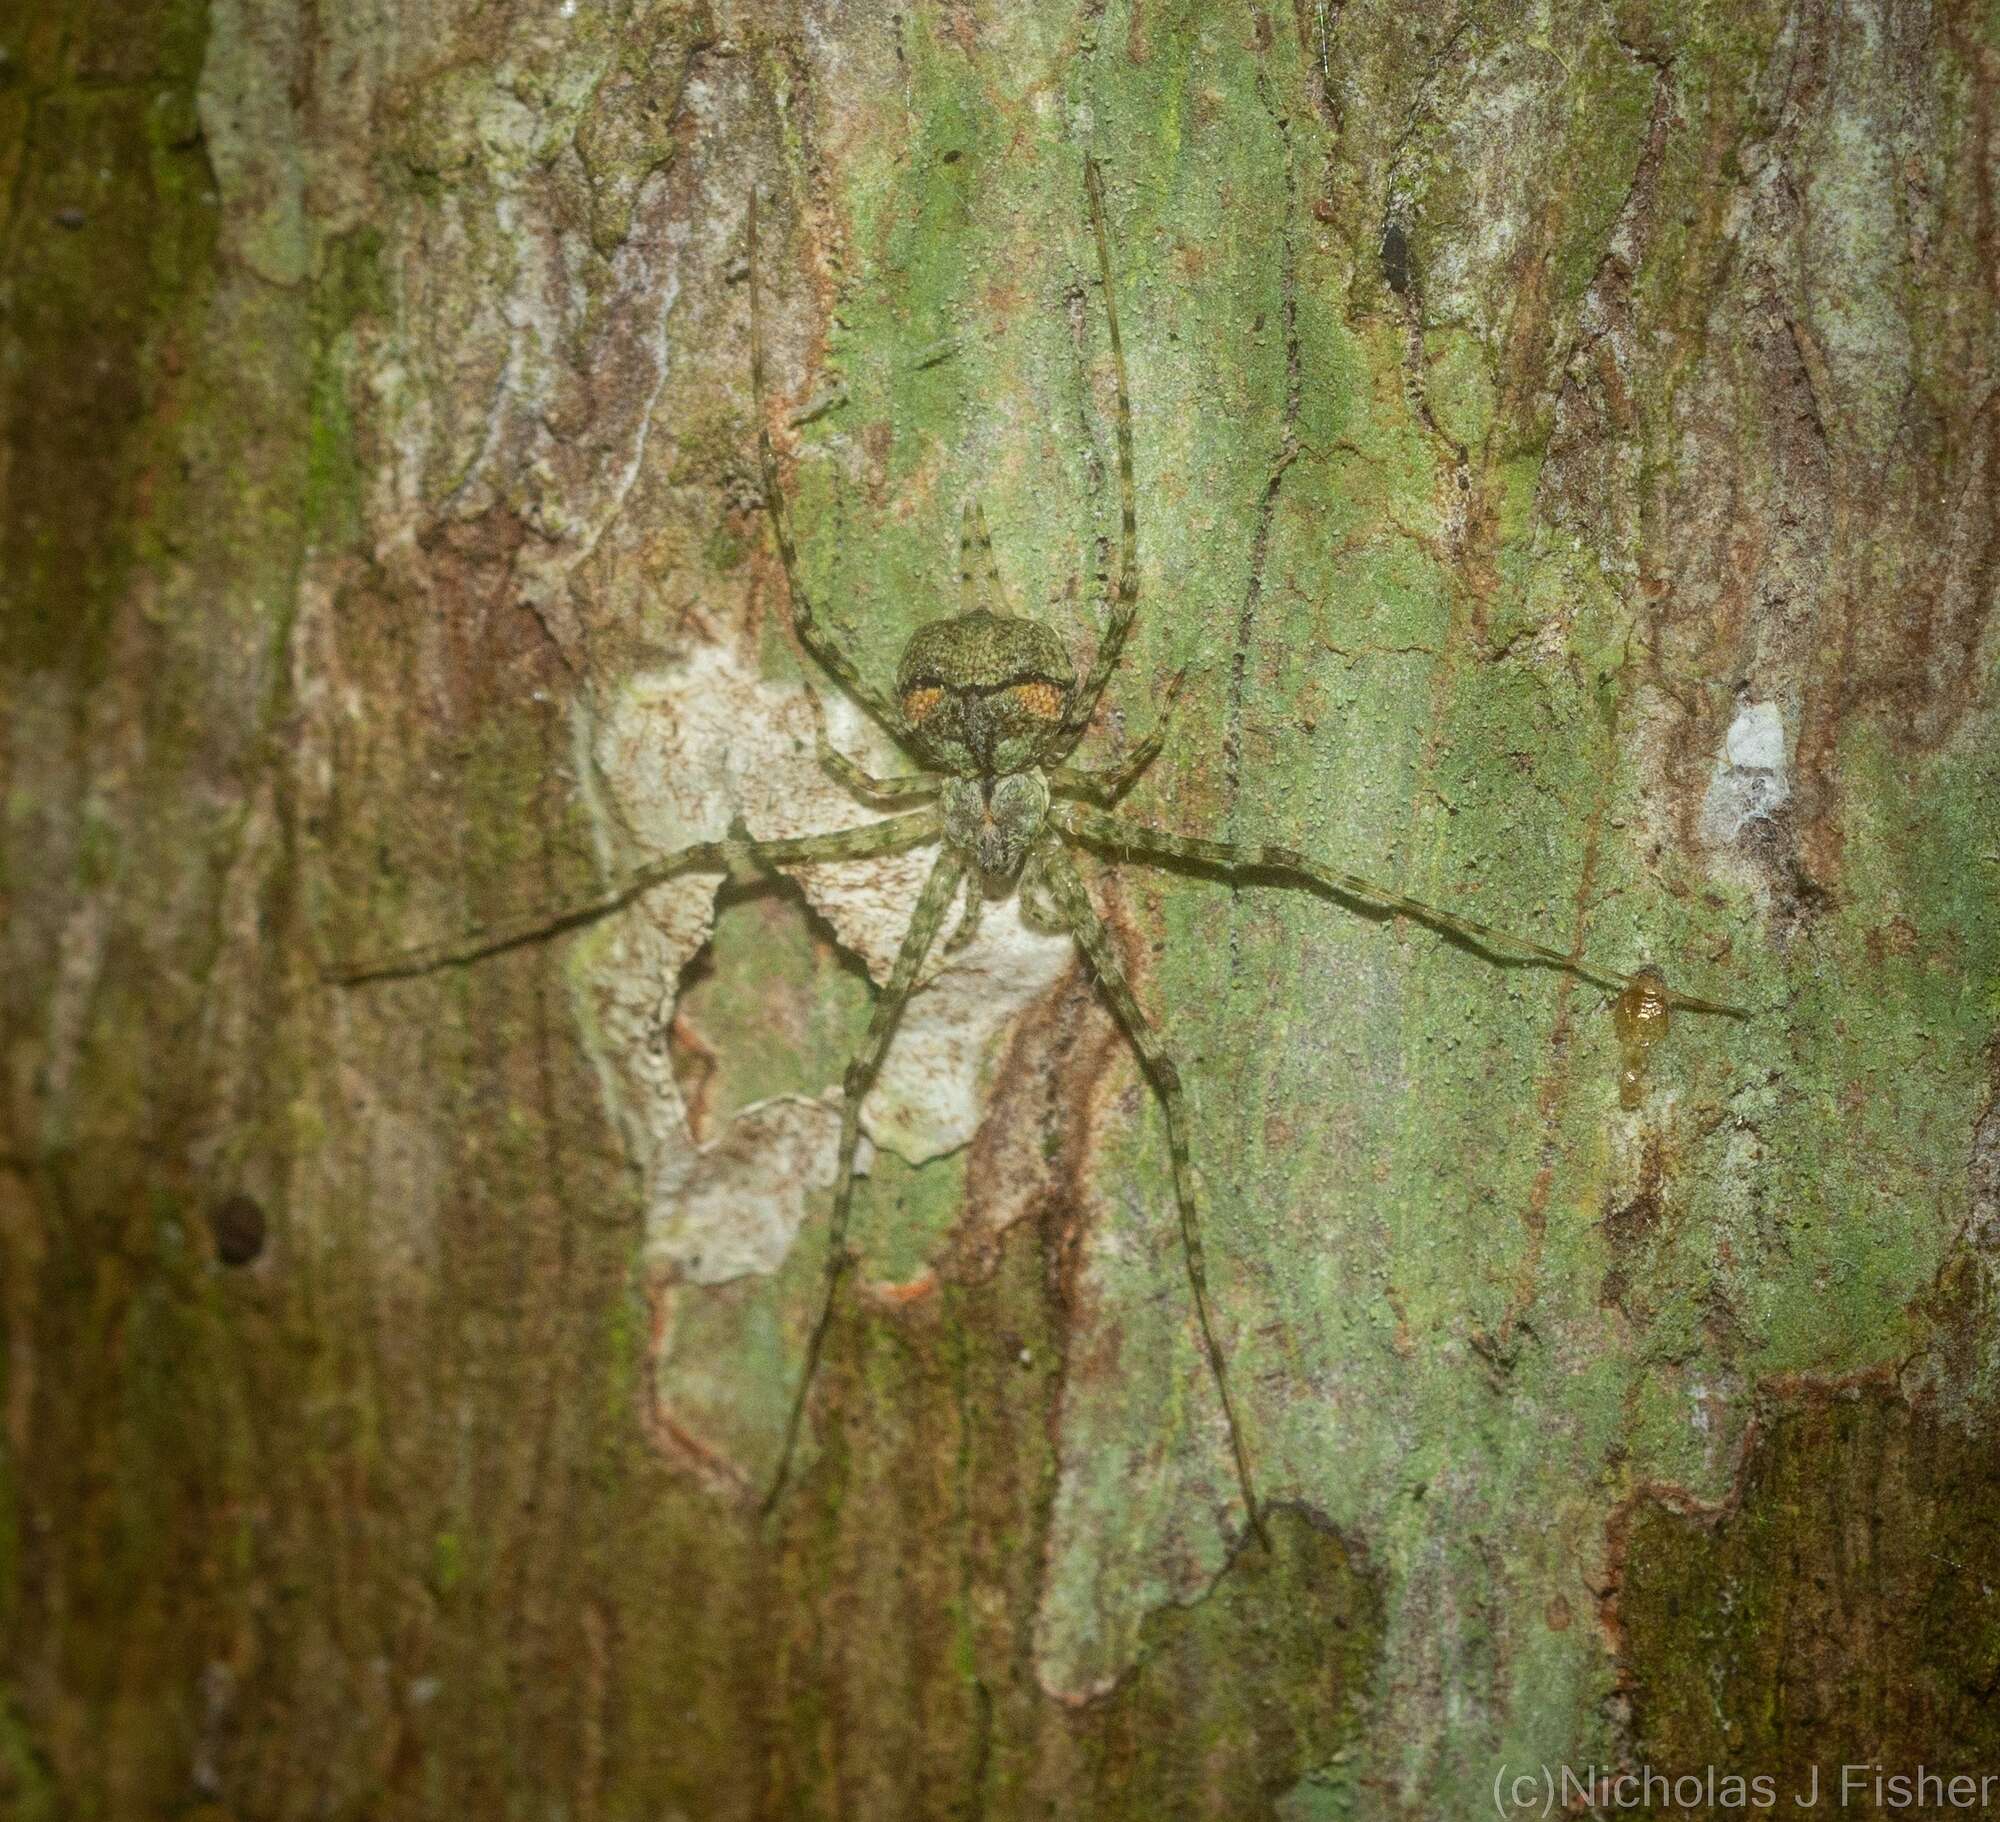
x,y
989,704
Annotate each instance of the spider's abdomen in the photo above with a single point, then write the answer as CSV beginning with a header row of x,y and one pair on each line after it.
x,y
995,822
981,692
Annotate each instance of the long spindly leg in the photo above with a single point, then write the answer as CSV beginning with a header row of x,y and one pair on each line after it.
x,y
901,787
1125,603
929,915
1106,784
968,588
1113,835
1073,902
811,634
975,553
859,843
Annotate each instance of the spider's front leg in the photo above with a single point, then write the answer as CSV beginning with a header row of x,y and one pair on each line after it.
x,y
1056,877
1125,602
925,923
865,841
1113,835
811,634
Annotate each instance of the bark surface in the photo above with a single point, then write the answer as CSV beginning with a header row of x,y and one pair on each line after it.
x,y
1568,458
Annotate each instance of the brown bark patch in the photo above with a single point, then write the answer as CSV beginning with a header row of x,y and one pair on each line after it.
x,y
1843,1607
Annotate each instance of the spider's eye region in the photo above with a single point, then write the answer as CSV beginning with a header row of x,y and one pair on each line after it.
x,y
1041,699
922,702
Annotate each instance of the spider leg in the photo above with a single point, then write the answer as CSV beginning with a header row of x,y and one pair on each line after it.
x,y
1072,900
925,922
1106,784
859,843
1125,603
901,787
811,634
1113,835
968,922
974,537
968,593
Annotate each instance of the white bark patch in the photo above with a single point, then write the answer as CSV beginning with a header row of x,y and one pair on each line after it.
x,y
1751,778
732,1208
250,71
686,756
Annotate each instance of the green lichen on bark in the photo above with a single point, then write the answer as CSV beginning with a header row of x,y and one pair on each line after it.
x,y
108,229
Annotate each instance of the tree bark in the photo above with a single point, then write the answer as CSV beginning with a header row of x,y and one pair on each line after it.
x,y
1567,458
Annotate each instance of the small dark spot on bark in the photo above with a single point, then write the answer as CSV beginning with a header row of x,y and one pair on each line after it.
x,y
239,1227
1627,1225
1396,258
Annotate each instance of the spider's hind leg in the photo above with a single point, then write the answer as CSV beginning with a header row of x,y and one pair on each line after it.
x,y
1059,879
925,923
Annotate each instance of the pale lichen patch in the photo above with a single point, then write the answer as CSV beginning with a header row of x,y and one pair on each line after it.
x,y
699,753
1750,781
732,1208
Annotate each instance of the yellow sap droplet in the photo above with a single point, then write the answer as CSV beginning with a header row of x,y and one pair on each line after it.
x,y
1641,1018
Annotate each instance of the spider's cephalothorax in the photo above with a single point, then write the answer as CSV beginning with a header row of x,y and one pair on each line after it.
x,y
983,693
983,698
991,704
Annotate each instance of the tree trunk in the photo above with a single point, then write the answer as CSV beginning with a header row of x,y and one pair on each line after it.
x,y
1567,459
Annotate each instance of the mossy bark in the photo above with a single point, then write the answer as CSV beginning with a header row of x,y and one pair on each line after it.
x,y
1569,478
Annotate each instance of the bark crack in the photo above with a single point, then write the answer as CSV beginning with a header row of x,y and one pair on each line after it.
x,y
1260,542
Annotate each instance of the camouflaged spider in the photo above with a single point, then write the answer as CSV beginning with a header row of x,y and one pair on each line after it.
x,y
989,702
